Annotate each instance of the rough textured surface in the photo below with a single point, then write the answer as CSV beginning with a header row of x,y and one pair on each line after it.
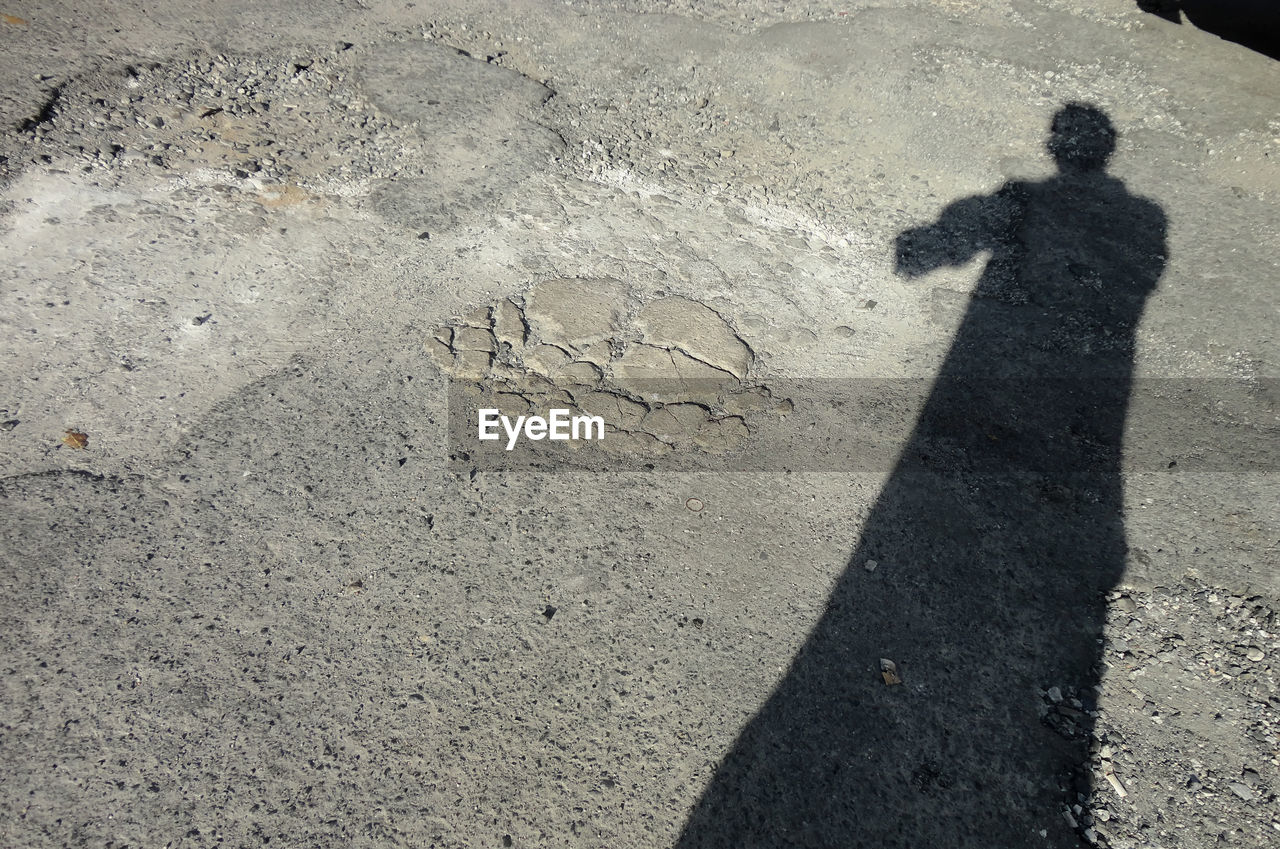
x,y
259,593
576,346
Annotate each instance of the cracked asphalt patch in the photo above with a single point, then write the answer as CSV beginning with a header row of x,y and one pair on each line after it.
x,y
667,374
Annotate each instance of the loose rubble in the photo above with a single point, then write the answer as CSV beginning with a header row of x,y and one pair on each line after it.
x,y
1177,673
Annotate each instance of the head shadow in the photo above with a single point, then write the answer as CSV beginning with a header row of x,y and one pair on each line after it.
x,y
994,540
1081,138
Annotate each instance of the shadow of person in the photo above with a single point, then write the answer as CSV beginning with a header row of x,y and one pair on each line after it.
x,y
1254,24
995,539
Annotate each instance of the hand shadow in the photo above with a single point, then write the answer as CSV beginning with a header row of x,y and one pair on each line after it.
x,y
996,537
1254,24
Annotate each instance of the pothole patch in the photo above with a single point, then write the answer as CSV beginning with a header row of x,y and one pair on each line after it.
x,y
666,375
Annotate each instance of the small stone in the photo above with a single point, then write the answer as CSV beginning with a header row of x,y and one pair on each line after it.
x,y
1243,792
889,672
1115,783
871,565
549,612
1255,654
1054,694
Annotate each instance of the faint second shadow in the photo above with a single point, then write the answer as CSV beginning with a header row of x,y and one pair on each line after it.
x,y
1251,23
995,540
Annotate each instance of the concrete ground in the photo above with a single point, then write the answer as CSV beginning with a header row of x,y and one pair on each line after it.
x,y
824,583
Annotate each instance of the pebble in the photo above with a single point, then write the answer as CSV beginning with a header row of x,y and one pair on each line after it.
x,y
1255,654
1243,792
